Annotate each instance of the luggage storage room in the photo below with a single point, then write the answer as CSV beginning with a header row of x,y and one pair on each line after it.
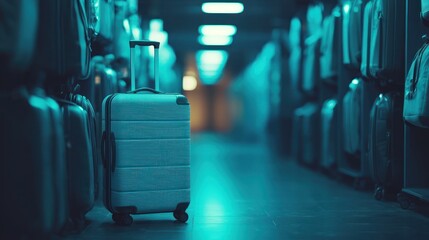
x,y
191,119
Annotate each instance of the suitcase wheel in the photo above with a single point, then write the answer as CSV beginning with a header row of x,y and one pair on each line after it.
x,y
379,193
405,201
181,216
122,219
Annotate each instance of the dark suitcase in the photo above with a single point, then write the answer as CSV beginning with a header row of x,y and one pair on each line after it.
x,y
106,83
107,18
387,48
416,102
308,146
146,146
297,135
355,32
311,52
386,140
80,164
345,20
294,61
328,151
33,165
18,34
366,40
83,102
63,47
352,117
329,46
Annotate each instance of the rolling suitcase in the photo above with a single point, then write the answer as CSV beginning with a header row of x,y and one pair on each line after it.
x,y
386,145
146,150
33,165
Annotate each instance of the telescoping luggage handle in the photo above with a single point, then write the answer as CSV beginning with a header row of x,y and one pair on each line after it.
x,y
144,43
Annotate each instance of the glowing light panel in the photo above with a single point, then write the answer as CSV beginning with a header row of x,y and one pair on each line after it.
x,y
215,40
217,30
223,7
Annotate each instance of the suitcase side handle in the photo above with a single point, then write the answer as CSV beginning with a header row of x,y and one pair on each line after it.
x,y
103,149
108,153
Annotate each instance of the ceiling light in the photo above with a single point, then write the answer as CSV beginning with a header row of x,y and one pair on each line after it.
x,y
215,40
222,7
219,30
210,65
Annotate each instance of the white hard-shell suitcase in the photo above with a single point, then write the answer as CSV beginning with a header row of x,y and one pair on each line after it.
x,y
146,150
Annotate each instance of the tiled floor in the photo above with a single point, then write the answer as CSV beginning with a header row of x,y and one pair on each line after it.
x,y
242,191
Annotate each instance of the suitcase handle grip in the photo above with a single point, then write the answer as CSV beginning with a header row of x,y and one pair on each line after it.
x,y
143,43
133,44
146,90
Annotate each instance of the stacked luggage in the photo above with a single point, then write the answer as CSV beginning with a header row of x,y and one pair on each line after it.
x,y
51,122
307,117
363,89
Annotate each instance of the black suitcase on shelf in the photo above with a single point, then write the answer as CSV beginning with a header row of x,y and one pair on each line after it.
x,y
386,139
329,46
355,32
387,44
33,165
352,118
80,164
306,134
83,102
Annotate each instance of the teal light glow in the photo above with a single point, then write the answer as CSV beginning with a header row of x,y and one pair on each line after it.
x,y
331,103
217,30
346,8
210,65
355,81
127,26
215,40
223,7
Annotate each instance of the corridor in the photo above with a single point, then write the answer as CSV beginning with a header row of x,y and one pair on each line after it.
x,y
240,190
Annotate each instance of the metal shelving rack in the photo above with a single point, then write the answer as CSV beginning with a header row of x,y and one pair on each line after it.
x,y
416,154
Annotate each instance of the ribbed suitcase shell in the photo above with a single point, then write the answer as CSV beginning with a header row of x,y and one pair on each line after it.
x,y
149,170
